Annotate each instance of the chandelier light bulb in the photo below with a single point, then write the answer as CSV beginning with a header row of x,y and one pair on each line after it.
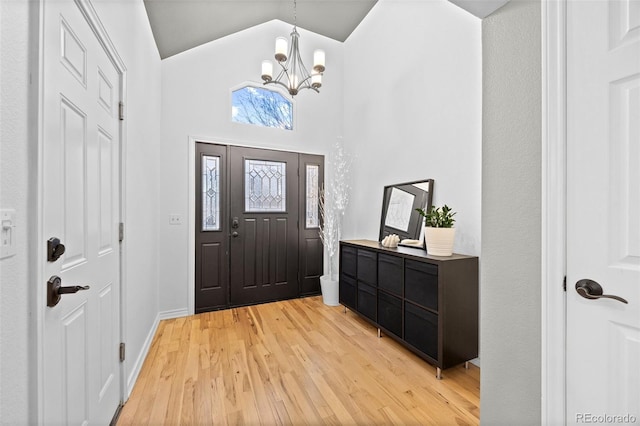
x,y
318,60
316,80
267,70
281,49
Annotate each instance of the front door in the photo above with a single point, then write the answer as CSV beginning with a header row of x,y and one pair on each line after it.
x,y
80,207
257,221
603,211
264,225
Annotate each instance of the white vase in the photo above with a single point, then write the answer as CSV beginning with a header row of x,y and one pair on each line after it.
x,y
330,294
439,240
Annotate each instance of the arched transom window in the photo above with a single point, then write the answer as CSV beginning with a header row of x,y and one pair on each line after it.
x,y
261,107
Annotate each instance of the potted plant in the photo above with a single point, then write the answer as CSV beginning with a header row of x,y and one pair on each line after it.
x,y
332,203
439,233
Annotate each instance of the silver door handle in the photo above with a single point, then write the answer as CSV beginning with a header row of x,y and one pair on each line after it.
x,y
590,289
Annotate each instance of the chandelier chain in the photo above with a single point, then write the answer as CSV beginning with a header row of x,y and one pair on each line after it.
x,y
295,13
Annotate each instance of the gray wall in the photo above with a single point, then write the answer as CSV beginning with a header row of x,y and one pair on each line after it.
x,y
511,215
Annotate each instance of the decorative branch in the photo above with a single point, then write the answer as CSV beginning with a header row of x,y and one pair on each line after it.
x,y
333,203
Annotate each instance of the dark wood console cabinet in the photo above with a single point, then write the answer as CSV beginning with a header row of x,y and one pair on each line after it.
x,y
428,303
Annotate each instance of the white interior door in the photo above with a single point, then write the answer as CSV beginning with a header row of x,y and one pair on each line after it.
x,y
603,210
81,145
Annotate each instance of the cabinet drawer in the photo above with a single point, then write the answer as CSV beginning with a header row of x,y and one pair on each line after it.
x,y
367,267
390,313
367,304
421,329
348,261
347,291
421,283
390,273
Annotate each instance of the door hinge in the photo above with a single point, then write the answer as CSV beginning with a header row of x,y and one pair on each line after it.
x,y
564,283
121,111
121,352
121,232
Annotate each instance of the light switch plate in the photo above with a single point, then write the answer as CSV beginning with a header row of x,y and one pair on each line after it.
x,y
7,233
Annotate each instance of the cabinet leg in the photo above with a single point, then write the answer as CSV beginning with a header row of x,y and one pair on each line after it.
x,y
438,373
466,365
379,334
345,309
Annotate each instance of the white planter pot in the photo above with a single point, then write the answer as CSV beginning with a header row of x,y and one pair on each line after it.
x,y
329,289
439,240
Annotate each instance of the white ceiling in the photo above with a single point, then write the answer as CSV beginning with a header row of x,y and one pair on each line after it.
x,y
180,25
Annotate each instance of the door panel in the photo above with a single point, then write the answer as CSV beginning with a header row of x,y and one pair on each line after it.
x,y
212,228
264,246
603,208
81,146
311,248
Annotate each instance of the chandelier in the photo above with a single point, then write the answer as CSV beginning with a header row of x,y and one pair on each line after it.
x,y
293,75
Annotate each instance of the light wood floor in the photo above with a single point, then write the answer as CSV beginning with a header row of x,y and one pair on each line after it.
x,y
293,362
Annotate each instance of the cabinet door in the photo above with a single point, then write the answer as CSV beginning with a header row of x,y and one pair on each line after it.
x,y
421,284
390,313
390,273
347,291
368,267
367,300
348,260
421,329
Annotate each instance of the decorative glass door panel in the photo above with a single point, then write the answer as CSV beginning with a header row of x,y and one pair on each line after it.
x,y
210,193
265,186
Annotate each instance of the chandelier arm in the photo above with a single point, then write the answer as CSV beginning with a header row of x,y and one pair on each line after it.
x,y
276,82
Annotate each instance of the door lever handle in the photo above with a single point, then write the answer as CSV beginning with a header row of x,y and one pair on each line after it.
x,y
72,289
55,290
590,289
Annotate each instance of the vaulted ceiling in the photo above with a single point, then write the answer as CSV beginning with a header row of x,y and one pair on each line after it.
x,y
180,25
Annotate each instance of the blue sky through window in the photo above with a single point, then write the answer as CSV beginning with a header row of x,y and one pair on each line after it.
x,y
262,107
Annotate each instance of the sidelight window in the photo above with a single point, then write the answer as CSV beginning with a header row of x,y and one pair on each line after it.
x,y
265,186
312,220
210,193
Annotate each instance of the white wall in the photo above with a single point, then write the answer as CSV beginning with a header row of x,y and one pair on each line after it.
x,y
413,111
511,216
196,101
127,24
18,147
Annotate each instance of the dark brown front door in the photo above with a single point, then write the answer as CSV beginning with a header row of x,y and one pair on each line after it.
x,y
256,225
264,225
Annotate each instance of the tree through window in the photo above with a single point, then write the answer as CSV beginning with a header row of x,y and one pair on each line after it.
x,y
262,107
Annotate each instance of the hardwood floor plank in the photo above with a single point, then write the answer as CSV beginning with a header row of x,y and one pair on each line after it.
x,y
290,363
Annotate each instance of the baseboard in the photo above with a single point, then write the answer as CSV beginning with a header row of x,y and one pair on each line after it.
x,y
175,313
137,366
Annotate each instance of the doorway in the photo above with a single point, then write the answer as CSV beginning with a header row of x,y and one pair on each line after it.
x,y
79,368
591,146
256,225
